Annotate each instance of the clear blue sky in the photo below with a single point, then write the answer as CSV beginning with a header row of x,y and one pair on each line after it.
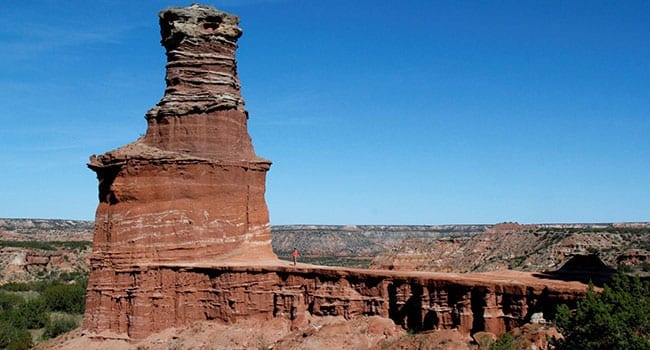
x,y
373,112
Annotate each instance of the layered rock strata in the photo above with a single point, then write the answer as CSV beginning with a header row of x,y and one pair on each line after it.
x,y
138,302
202,112
192,189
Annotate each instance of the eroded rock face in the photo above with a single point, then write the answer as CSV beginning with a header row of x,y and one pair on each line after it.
x,y
142,301
192,189
202,112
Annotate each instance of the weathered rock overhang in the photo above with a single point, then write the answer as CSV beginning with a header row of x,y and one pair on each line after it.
x,y
137,301
162,206
139,153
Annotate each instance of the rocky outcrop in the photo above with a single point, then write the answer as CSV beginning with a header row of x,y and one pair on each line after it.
x,y
22,264
202,112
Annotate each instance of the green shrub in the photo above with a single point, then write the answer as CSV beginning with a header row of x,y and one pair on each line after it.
x,y
12,337
16,287
68,298
79,277
59,325
617,318
9,300
22,341
30,314
645,266
6,332
504,342
47,245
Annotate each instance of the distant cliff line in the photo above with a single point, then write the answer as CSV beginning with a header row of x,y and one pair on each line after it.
x,y
459,248
13,223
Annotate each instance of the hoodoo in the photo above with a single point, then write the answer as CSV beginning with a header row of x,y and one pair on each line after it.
x,y
192,188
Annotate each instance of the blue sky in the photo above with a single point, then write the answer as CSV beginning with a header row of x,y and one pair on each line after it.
x,y
373,112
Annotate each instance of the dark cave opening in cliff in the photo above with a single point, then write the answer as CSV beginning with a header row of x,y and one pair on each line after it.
x,y
408,314
478,309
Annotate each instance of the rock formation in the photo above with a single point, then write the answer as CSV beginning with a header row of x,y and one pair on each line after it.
x,y
182,230
533,248
192,188
136,303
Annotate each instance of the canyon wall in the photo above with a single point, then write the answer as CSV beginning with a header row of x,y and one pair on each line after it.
x,y
135,303
533,248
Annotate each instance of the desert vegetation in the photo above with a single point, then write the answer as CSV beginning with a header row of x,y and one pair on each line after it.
x,y
47,245
616,318
34,311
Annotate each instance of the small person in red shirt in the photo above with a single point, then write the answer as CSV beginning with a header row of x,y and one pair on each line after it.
x,y
295,256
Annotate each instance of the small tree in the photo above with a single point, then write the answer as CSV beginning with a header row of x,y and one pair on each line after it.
x,y
22,341
13,338
9,300
617,318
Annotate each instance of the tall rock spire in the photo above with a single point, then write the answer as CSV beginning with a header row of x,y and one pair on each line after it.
x,y
190,192
202,111
192,189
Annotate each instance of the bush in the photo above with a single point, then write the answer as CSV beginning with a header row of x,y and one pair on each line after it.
x,y
68,298
617,318
22,341
9,300
30,314
645,266
79,277
59,325
14,338
16,287
47,245
505,342
6,333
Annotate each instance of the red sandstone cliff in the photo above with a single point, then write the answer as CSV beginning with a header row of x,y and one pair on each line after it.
x,y
138,302
192,188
